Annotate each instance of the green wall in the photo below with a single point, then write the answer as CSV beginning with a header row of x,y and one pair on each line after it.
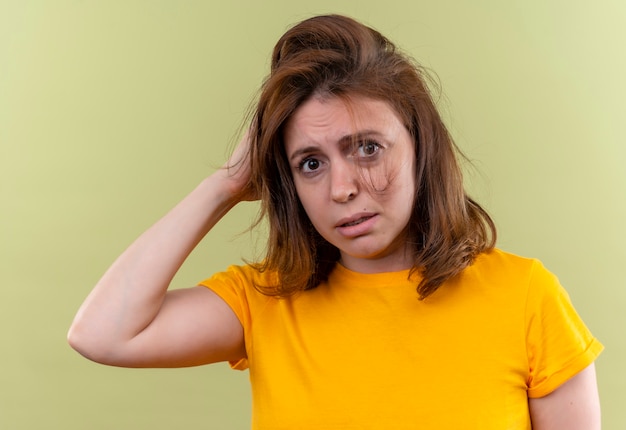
x,y
110,111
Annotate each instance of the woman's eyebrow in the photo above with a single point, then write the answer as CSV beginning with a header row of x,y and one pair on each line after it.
x,y
349,139
363,133
302,151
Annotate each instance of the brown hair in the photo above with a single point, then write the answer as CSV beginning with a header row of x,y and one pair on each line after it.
x,y
337,56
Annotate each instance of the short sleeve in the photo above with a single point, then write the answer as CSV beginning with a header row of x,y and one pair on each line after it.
x,y
559,345
231,285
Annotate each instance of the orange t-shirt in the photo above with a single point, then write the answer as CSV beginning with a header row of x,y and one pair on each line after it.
x,y
362,352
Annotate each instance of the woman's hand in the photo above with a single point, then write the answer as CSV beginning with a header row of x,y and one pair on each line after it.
x,y
238,170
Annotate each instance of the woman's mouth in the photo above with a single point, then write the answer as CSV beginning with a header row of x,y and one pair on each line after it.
x,y
358,225
356,222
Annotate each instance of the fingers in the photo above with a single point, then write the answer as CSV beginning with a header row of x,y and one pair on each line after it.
x,y
240,171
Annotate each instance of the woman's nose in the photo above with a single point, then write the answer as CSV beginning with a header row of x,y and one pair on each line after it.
x,y
344,184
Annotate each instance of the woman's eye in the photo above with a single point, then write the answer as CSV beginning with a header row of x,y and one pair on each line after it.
x,y
368,148
309,165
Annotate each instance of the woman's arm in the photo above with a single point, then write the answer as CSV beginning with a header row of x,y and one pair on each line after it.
x,y
575,405
131,319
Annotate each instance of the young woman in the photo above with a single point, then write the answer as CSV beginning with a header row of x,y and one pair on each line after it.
x,y
381,302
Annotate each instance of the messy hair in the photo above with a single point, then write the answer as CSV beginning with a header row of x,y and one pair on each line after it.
x,y
336,56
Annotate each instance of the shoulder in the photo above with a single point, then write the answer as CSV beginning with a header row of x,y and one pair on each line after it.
x,y
238,286
507,278
499,266
241,276
498,259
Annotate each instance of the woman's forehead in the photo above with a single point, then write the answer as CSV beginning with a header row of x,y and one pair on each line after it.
x,y
351,113
337,120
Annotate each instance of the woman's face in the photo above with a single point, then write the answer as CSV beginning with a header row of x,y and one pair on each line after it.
x,y
353,168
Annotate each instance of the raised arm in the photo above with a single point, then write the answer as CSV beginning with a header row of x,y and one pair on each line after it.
x,y
131,319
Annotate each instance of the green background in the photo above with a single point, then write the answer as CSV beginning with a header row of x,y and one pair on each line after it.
x,y
111,111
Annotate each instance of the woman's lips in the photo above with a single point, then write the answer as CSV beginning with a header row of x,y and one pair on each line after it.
x,y
357,225
358,221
